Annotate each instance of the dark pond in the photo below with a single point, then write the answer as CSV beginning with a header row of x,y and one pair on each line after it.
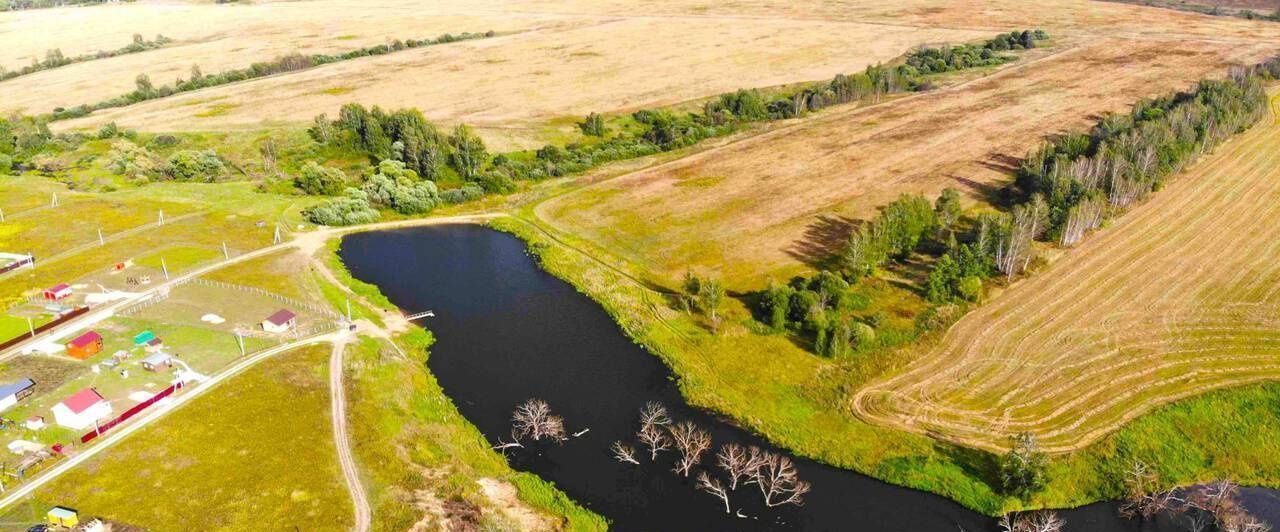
x,y
507,331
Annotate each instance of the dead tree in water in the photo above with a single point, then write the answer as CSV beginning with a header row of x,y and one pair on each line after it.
x,y
1143,497
624,453
1040,521
737,462
714,487
653,420
533,418
692,443
778,481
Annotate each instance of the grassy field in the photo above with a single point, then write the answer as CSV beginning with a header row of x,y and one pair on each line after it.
x,y
208,466
1175,299
776,204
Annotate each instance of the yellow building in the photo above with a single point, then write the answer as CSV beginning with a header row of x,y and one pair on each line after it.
x,y
63,516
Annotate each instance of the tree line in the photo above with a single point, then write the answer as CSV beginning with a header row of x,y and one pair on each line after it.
x,y
936,60
146,90
1073,183
663,130
1062,190
54,58
1082,178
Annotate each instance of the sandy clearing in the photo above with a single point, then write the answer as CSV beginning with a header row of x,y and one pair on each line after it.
x,y
769,204
1174,299
571,69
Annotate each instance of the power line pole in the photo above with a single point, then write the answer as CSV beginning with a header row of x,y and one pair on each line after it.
x,y
1,215
54,201
277,235
240,342
101,241
31,326
225,253
161,220
164,268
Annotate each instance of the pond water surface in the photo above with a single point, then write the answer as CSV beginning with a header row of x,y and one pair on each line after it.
x,y
507,331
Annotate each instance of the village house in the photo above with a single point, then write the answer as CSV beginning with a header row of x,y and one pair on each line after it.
x,y
63,517
158,362
85,345
58,292
281,321
16,391
81,410
149,341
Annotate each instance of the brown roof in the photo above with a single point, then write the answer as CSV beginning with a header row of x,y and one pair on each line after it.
x,y
281,317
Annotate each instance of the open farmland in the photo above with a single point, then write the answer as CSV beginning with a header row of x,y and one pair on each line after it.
x,y
1177,298
774,203
526,79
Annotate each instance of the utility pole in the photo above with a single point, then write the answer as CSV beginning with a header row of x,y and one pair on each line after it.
x,y
348,310
240,342
225,253
161,220
277,235
54,201
101,241
164,268
1,215
31,326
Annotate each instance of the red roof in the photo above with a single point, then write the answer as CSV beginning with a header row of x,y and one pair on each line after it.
x,y
281,317
85,339
59,287
82,400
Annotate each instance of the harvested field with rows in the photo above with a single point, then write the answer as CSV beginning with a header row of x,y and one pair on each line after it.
x,y
777,203
1177,298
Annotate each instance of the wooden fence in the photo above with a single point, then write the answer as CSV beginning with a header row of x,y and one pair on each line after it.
x,y
89,436
56,322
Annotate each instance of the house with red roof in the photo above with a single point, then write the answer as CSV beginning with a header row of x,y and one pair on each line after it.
x,y
81,410
59,291
85,345
281,321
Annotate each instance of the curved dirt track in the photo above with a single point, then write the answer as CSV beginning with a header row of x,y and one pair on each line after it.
x,y
1179,297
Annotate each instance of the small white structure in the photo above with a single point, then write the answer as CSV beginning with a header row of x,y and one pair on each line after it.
x,y
23,447
34,423
16,391
81,410
281,321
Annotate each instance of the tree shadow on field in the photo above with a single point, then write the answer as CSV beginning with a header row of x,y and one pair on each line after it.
x,y
823,240
975,463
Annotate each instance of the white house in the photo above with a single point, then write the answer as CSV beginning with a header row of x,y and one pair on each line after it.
x,y
281,321
16,391
82,409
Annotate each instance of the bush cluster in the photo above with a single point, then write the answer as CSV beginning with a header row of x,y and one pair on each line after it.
x,y
54,58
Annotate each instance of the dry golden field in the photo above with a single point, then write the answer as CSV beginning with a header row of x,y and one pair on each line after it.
x,y
1177,298
771,203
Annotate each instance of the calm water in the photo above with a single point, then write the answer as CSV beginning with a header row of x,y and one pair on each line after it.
x,y
507,331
